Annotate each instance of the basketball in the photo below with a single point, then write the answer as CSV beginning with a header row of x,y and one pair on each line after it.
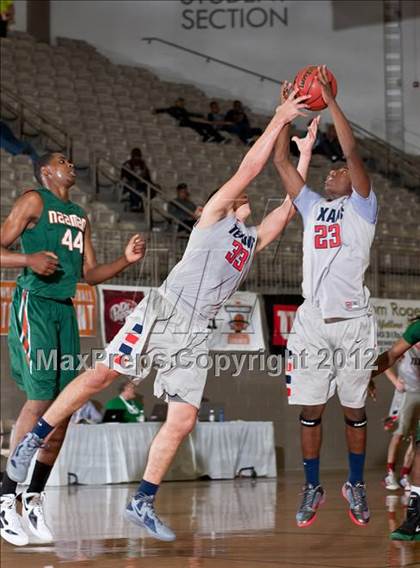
x,y
307,84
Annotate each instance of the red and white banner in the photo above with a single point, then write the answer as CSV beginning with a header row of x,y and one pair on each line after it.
x,y
116,303
283,318
237,327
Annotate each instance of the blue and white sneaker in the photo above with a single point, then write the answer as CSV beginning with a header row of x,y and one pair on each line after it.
x,y
20,460
141,512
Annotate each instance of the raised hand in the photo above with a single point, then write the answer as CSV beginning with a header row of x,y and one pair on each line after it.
x,y
306,144
286,89
135,249
326,90
292,107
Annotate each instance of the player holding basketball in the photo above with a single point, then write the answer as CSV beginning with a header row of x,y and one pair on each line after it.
x,y
56,251
335,326
172,322
408,347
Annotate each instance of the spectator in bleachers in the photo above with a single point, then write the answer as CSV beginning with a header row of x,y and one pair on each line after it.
x,y
7,15
135,165
13,145
217,118
329,145
241,125
194,120
183,198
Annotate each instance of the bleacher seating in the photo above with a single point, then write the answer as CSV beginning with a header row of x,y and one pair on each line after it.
x,y
107,109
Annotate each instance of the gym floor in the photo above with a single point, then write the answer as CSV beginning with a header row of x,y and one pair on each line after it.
x,y
219,524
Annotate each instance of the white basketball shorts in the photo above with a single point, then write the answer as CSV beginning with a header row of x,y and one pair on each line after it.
x,y
329,356
160,335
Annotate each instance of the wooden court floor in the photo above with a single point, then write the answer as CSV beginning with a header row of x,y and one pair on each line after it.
x,y
219,524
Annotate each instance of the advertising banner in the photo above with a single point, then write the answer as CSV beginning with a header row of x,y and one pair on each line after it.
x,y
84,304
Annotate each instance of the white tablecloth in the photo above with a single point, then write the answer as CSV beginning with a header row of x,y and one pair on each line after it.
x,y
117,453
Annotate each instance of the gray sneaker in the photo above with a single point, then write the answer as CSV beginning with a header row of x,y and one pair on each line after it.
x,y
141,511
20,460
355,495
313,497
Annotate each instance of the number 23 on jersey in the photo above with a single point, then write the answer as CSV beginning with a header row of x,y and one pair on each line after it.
x,y
327,236
72,244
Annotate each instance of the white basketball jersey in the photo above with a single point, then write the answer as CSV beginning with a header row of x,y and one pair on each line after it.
x,y
409,368
336,253
215,262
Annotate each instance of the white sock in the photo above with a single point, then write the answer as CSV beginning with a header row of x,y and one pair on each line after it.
x,y
415,489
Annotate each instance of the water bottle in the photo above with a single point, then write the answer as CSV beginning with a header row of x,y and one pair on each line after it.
x,y
142,417
212,416
221,415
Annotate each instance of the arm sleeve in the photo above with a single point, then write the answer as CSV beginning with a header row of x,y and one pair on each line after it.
x,y
305,201
412,333
366,207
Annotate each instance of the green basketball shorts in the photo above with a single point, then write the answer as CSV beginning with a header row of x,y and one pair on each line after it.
x,y
44,344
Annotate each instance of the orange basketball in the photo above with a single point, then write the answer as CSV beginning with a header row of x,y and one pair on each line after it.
x,y
307,84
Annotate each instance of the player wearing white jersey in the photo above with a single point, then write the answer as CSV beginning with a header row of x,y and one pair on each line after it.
x,y
171,323
334,330
405,409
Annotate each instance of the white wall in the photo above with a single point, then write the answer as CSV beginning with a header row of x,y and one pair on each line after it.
x,y
354,54
20,16
411,73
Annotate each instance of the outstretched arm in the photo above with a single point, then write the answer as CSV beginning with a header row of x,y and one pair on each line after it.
x,y
289,175
305,146
95,273
390,357
274,224
358,174
253,163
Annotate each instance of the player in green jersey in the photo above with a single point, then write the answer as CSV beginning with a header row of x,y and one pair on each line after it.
x,y
56,252
410,529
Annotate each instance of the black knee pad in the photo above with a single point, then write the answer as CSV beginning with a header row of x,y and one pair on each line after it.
x,y
310,422
356,423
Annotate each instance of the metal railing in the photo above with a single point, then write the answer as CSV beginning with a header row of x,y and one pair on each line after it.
x,y
394,161
19,108
209,58
394,271
101,166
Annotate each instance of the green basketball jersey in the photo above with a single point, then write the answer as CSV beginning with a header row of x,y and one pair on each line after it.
x,y
60,230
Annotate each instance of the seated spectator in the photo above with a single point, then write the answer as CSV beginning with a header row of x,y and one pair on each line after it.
x,y
13,145
135,165
183,198
127,402
329,145
196,121
241,125
87,414
217,118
